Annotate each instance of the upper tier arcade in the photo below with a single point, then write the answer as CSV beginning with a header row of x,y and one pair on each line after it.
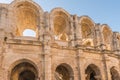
x,y
57,26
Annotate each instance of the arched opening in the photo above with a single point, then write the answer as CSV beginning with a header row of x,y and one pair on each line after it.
x,y
26,75
24,71
61,25
64,72
29,32
92,72
88,44
107,35
114,74
86,31
87,27
27,17
63,37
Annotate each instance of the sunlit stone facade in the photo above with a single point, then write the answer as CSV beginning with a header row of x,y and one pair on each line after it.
x,y
66,47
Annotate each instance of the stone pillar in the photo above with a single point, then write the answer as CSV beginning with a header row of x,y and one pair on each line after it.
x,y
115,41
46,57
102,48
41,26
78,29
47,20
11,29
119,65
78,62
45,38
102,45
75,31
97,36
3,17
104,56
72,32
47,63
75,37
3,25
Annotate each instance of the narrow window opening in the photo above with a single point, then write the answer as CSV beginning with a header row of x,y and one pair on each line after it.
x,y
29,32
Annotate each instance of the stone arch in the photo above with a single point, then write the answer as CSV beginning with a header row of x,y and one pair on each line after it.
x,y
60,23
92,72
64,72
87,27
107,36
87,42
22,69
28,15
114,74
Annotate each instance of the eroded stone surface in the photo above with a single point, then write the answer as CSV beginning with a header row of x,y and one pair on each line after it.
x,y
66,47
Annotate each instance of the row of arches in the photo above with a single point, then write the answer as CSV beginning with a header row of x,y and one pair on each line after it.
x,y
30,17
27,70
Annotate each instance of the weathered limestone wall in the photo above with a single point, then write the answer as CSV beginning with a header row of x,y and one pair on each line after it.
x,y
66,45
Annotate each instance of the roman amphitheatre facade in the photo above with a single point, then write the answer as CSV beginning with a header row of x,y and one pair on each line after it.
x,y
66,46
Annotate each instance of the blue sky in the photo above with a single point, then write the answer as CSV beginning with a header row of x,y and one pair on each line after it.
x,y
101,11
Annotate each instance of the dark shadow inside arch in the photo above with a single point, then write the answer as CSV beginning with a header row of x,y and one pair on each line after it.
x,y
27,75
114,74
24,71
64,72
92,72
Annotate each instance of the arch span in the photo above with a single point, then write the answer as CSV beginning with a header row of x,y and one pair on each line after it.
x,y
14,3
24,70
64,72
107,36
27,15
87,26
92,72
114,74
60,23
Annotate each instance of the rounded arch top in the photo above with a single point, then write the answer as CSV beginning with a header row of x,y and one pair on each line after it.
x,y
107,36
114,73
106,27
70,69
87,26
86,19
114,68
60,23
93,72
17,3
94,67
118,34
107,32
24,69
27,15
12,66
65,71
57,10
